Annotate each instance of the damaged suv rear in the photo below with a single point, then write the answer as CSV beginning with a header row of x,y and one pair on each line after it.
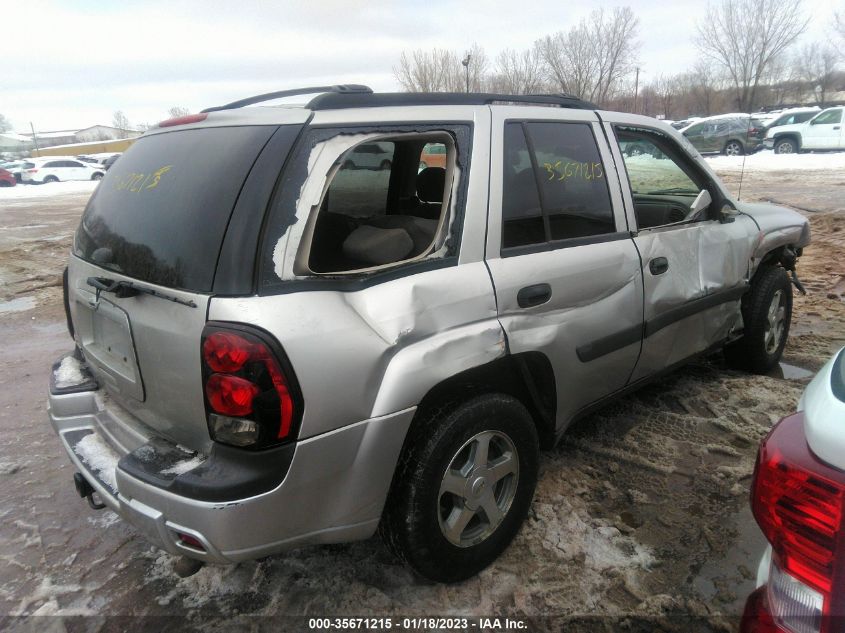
x,y
276,347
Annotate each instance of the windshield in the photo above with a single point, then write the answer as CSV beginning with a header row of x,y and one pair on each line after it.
x,y
160,213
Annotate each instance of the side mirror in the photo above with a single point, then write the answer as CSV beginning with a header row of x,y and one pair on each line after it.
x,y
728,214
701,202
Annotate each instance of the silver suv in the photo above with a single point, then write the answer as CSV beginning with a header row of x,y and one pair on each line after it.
x,y
274,348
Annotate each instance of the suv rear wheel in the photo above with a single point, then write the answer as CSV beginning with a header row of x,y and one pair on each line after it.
x,y
463,487
734,148
766,312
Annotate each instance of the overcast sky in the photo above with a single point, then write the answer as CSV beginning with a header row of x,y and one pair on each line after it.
x,y
71,64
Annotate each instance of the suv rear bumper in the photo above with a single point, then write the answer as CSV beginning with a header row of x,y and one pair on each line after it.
x,y
333,491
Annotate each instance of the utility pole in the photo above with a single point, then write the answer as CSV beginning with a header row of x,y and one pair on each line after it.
x,y
636,88
465,63
34,139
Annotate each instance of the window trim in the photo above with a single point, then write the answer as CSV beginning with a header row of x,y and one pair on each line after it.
x,y
281,214
302,260
550,244
681,159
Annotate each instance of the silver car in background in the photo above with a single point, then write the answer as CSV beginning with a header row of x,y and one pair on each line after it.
x,y
273,348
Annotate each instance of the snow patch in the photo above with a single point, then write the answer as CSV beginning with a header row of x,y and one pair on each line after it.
x,y
766,161
184,466
100,458
38,192
69,373
21,304
105,520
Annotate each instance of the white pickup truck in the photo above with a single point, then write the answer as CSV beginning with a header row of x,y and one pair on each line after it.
x,y
823,132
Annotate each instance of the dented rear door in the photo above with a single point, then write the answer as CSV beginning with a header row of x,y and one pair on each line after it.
x,y
566,272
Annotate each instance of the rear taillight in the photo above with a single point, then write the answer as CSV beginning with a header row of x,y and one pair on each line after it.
x,y
250,393
31,171
798,502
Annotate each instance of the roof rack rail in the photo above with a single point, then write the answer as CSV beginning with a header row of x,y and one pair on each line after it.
x,y
329,101
269,96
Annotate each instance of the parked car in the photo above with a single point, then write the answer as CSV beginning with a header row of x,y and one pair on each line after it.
x,y
792,116
56,168
433,155
376,156
15,168
302,353
798,499
732,134
111,160
7,179
823,132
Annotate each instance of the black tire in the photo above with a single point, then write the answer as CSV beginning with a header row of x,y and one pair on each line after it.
x,y
97,176
760,349
415,509
786,146
51,179
5,183
733,148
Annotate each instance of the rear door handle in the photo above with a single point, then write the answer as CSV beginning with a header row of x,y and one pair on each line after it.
x,y
658,265
535,295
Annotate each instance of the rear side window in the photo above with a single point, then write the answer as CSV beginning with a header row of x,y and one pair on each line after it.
x,y
554,186
161,212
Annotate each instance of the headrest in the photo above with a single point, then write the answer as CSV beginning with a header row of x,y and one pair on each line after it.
x,y
378,246
430,183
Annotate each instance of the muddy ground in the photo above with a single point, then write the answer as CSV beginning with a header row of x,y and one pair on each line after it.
x,y
642,509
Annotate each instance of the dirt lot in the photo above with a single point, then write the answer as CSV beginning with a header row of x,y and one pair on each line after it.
x,y
642,510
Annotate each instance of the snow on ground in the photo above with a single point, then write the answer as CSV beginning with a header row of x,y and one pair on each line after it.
x,y
27,192
766,161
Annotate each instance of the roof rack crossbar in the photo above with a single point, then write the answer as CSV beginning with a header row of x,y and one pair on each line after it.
x,y
269,96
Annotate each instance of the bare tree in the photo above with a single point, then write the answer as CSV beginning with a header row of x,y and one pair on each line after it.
x,y
745,36
667,89
590,60
441,70
5,126
816,64
518,72
121,122
178,111
704,84
435,71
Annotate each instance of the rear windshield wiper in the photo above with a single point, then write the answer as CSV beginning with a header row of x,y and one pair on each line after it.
x,y
125,289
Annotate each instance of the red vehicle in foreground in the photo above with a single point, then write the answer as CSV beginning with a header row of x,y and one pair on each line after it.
x,y
7,179
798,499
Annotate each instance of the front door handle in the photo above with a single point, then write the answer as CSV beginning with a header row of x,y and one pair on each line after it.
x,y
658,265
535,295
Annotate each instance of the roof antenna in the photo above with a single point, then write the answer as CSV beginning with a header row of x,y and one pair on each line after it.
x,y
744,154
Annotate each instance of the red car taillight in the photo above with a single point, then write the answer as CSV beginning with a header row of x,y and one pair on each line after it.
x,y
798,502
250,394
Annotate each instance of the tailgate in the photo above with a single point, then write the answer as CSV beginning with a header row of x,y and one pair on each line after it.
x,y
145,351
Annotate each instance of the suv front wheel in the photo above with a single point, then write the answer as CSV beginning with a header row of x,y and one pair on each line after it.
x,y
785,146
766,313
463,487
